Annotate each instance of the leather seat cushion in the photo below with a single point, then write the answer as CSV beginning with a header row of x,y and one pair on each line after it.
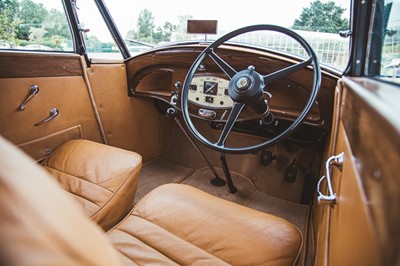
x,y
103,179
179,224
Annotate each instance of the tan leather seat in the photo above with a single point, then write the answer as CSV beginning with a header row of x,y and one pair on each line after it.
x,y
179,224
102,179
174,224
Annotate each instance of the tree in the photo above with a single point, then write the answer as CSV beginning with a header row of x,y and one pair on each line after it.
x,y
31,15
322,17
7,27
181,29
55,23
37,35
145,25
11,5
145,29
132,34
8,21
163,34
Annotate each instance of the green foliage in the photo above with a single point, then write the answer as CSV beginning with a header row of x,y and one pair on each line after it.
x,y
56,24
7,28
37,35
9,6
26,22
322,17
145,24
31,15
8,21
132,34
163,34
145,29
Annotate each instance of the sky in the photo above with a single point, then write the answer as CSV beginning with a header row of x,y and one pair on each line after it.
x,y
229,14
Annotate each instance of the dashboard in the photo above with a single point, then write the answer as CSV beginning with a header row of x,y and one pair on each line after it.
x,y
160,74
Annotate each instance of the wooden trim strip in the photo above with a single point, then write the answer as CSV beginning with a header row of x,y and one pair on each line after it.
x,y
29,65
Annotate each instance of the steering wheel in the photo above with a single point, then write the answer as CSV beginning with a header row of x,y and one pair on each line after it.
x,y
246,88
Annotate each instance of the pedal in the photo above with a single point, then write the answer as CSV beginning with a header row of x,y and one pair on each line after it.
x,y
290,174
266,157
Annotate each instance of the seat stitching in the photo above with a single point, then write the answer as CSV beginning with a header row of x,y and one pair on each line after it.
x,y
162,228
142,241
80,178
114,193
123,254
84,198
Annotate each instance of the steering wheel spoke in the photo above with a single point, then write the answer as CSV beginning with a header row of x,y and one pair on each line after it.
x,y
233,116
286,71
228,70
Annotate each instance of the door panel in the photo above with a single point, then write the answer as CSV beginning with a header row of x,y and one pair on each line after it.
x,y
351,234
61,86
131,123
361,227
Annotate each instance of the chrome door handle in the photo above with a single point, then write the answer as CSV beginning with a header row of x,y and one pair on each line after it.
x,y
33,90
335,160
53,113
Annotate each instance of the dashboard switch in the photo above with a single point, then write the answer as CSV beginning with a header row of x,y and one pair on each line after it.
x,y
174,99
209,99
208,114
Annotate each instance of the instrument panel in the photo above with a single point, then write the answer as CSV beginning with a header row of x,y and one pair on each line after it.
x,y
210,91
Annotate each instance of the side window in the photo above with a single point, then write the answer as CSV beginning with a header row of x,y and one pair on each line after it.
x,y
390,59
34,25
98,40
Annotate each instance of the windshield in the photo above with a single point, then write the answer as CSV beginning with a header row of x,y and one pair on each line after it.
x,y
144,24
42,25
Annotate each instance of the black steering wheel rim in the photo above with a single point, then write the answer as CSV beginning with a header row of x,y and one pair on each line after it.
x,y
209,51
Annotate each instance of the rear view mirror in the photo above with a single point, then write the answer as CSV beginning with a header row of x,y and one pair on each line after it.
x,y
202,26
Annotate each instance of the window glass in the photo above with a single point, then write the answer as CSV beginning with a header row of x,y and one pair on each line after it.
x,y
34,25
98,40
390,60
145,24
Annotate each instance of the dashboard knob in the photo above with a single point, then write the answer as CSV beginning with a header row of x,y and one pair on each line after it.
x,y
178,84
171,112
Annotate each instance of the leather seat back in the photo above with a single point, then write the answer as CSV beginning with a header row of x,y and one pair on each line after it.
x,y
101,178
39,224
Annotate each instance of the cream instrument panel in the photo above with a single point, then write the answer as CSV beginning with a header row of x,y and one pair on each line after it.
x,y
210,91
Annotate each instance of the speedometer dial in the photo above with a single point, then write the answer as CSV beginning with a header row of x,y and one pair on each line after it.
x,y
210,91
210,87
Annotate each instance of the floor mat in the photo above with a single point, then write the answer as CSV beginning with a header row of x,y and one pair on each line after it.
x,y
158,172
201,180
293,212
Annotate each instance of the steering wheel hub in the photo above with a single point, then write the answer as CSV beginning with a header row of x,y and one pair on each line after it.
x,y
243,84
246,86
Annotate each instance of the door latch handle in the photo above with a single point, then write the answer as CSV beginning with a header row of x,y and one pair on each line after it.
x,y
53,113
335,160
33,90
